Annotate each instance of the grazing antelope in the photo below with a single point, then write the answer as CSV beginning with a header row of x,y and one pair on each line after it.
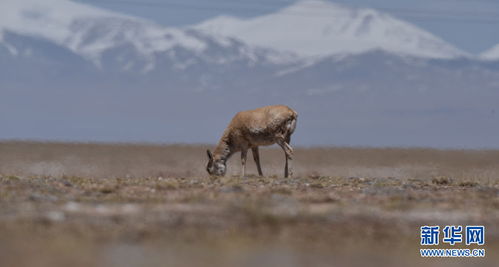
x,y
252,128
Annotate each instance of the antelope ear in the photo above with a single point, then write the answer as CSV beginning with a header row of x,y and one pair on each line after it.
x,y
210,156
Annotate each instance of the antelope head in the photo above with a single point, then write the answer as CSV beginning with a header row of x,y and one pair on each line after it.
x,y
215,166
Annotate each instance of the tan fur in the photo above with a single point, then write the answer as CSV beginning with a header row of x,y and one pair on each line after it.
x,y
253,128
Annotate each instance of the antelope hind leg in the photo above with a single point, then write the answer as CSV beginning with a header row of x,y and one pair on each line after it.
x,y
288,151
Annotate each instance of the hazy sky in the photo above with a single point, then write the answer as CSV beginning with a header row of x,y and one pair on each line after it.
x,y
471,25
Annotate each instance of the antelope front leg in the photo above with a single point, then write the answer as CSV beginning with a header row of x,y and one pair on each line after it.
x,y
256,157
243,162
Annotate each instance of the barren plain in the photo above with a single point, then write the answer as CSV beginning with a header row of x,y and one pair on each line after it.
x,y
67,204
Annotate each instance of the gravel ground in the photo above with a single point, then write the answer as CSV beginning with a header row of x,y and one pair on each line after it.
x,y
175,217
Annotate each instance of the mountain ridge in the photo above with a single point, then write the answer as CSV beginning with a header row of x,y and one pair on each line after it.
x,y
329,29
491,54
144,85
91,32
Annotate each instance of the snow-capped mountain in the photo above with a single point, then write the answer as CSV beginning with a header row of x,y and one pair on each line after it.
x,y
320,28
92,32
491,54
74,72
85,30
